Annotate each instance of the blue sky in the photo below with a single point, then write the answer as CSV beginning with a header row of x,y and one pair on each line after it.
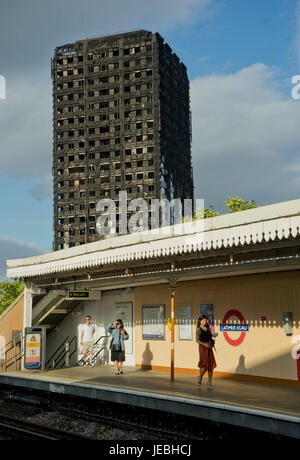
x,y
240,55
240,34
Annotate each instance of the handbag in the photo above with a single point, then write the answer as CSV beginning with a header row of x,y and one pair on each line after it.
x,y
116,346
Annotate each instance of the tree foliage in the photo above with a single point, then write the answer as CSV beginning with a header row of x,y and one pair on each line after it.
x,y
9,291
210,212
235,204
206,213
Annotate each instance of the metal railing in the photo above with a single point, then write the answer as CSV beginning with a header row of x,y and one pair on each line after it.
x,y
16,342
61,356
97,350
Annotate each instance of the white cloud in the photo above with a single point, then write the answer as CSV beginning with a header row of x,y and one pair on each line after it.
x,y
26,114
25,120
168,14
33,28
10,248
246,137
43,189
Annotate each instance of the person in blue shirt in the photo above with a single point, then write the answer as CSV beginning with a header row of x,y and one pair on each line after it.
x,y
116,329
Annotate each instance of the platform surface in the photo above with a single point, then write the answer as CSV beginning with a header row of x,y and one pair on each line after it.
x,y
279,404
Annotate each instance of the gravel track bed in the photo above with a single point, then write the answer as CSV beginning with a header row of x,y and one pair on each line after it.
x,y
91,430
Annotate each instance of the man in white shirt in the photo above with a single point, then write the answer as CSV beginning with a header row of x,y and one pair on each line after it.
x,y
87,339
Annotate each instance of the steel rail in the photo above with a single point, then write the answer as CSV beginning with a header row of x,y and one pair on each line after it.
x,y
22,429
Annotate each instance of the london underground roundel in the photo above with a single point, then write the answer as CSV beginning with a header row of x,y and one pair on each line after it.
x,y
239,340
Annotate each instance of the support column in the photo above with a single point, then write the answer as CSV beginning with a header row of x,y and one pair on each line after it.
x,y
172,290
27,313
27,317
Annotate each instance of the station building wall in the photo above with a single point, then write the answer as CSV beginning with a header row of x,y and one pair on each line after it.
x,y
11,323
266,351
264,354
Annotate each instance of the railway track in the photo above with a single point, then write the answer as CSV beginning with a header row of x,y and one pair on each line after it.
x,y
11,428
159,425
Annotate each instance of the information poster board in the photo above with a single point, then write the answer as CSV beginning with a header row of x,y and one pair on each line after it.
x,y
153,318
185,322
33,351
207,309
124,312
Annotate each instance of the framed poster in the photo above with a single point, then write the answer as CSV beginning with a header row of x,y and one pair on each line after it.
x,y
207,309
123,311
185,322
153,320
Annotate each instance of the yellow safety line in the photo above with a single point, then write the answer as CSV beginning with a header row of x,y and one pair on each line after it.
x,y
171,394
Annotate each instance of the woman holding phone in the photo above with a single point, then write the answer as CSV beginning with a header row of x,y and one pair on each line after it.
x,y
117,346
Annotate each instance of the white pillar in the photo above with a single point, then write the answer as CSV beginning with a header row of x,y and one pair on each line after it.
x,y
27,314
27,318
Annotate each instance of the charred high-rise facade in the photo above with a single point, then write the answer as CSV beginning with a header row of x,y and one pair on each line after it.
x,y
121,122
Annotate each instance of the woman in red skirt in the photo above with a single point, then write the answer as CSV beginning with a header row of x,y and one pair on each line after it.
x,y
206,355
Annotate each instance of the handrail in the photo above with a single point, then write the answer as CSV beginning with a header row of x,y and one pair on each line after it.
x,y
59,357
17,341
63,353
13,357
75,349
99,351
12,340
52,356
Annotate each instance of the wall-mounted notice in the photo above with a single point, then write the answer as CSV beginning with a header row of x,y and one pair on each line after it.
x,y
153,322
185,322
207,309
124,312
33,351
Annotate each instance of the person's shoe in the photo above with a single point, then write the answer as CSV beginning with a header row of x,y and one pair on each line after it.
x,y
116,373
210,387
121,372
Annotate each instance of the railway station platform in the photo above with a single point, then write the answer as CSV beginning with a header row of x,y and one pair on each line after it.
x,y
267,408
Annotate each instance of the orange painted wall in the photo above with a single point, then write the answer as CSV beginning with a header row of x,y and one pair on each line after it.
x,y
11,322
265,352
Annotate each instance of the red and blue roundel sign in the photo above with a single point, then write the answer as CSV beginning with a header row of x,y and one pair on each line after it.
x,y
242,327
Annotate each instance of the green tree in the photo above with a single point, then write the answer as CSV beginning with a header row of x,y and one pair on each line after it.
x,y
200,214
210,212
9,291
235,204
